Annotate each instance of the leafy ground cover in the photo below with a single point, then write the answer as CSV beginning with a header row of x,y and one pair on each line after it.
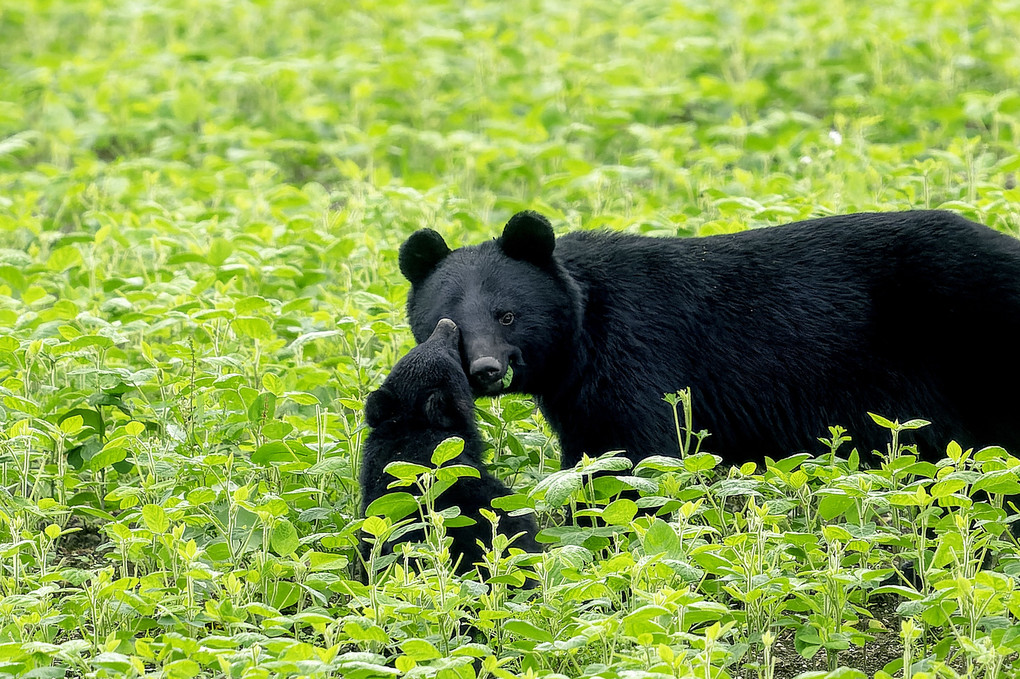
x,y
199,215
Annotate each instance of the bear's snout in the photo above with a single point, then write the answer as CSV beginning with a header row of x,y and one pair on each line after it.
x,y
486,374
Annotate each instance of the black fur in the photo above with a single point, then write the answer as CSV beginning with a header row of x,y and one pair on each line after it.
x,y
425,400
779,332
427,249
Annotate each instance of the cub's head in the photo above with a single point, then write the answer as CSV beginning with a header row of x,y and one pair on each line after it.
x,y
427,388
514,304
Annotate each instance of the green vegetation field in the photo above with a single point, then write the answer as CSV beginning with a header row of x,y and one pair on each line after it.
x,y
200,208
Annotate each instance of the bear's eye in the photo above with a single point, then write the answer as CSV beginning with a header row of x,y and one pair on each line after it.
x,y
507,318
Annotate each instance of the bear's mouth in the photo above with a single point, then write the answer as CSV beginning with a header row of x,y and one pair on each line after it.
x,y
491,389
489,376
495,387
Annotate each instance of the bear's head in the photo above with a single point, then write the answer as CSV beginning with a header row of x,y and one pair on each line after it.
x,y
515,305
427,388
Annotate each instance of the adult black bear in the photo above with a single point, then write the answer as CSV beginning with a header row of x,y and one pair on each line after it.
x,y
425,400
779,332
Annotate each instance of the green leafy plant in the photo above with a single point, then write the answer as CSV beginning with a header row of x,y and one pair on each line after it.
x,y
201,210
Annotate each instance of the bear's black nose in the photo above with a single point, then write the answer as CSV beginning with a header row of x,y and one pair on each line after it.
x,y
486,370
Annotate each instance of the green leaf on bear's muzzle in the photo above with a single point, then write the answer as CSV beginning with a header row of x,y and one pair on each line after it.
x,y
508,377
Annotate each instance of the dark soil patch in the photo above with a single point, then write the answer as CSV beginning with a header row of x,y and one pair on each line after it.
x,y
83,548
873,656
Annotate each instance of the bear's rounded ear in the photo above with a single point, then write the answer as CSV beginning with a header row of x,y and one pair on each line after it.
x,y
528,236
381,405
420,254
440,410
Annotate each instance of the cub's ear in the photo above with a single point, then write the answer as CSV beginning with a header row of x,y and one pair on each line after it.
x,y
381,405
528,236
440,410
420,254
446,334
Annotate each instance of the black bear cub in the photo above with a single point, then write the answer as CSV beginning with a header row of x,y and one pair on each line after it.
x,y
779,332
425,400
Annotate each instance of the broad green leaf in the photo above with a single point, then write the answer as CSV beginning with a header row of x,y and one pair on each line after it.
x,y
219,250
836,533
660,463
701,462
373,633
252,327
992,453
515,411
248,305
114,662
106,457
283,594
394,505
272,384
452,472
620,512
947,487
407,471
284,537
64,258
644,620
420,650
523,628
807,642
155,519
262,408
833,504
317,620
905,592
660,538
1001,482
182,669
200,496
512,503
607,463
274,451
261,609
558,487
273,507
86,341
72,425
13,277
320,561
447,450
311,336
301,398
375,525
